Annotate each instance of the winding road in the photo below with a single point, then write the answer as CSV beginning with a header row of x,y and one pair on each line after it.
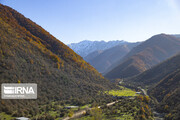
x,y
82,112
158,116
144,92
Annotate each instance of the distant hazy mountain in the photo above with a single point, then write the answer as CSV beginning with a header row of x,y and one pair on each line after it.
x,y
92,55
102,60
163,81
144,56
86,47
177,35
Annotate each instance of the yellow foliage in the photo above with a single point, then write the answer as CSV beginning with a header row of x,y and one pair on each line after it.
x,y
147,107
168,95
55,58
140,98
58,65
142,110
62,64
166,107
96,113
143,117
28,38
71,113
19,81
169,115
31,61
2,102
146,99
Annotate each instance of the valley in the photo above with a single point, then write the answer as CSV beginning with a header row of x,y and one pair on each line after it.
x,y
153,69
117,113
103,110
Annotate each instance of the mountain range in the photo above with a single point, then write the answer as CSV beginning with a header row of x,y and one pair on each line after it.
x,y
144,56
86,47
121,58
153,64
104,59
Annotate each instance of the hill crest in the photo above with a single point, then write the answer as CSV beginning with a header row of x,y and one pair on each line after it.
x,y
144,56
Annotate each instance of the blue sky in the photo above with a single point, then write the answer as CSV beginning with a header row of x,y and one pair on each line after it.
x,y
76,20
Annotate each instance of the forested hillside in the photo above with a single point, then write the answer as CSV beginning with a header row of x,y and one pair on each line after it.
x,y
163,83
29,54
167,92
157,73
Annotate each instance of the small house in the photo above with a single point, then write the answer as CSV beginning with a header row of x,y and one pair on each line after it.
x,y
138,92
22,118
70,107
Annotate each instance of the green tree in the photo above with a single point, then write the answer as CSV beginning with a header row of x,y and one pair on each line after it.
x,y
146,99
96,113
71,113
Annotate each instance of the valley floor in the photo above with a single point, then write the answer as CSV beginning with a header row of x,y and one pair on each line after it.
x,y
127,105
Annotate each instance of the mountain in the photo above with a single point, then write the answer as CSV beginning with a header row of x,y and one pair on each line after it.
x,y
92,55
86,47
29,54
154,75
167,92
144,56
106,58
177,35
163,83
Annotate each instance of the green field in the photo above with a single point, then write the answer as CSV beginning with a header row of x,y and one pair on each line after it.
x,y
123,117
4,116
123,92
85,106
115,117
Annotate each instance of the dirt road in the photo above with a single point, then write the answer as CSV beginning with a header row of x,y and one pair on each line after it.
x,y
82,112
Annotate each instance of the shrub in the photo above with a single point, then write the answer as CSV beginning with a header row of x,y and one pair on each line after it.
x,y
55,58
71,113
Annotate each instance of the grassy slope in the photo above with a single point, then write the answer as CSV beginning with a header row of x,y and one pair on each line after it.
x,y
123,92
